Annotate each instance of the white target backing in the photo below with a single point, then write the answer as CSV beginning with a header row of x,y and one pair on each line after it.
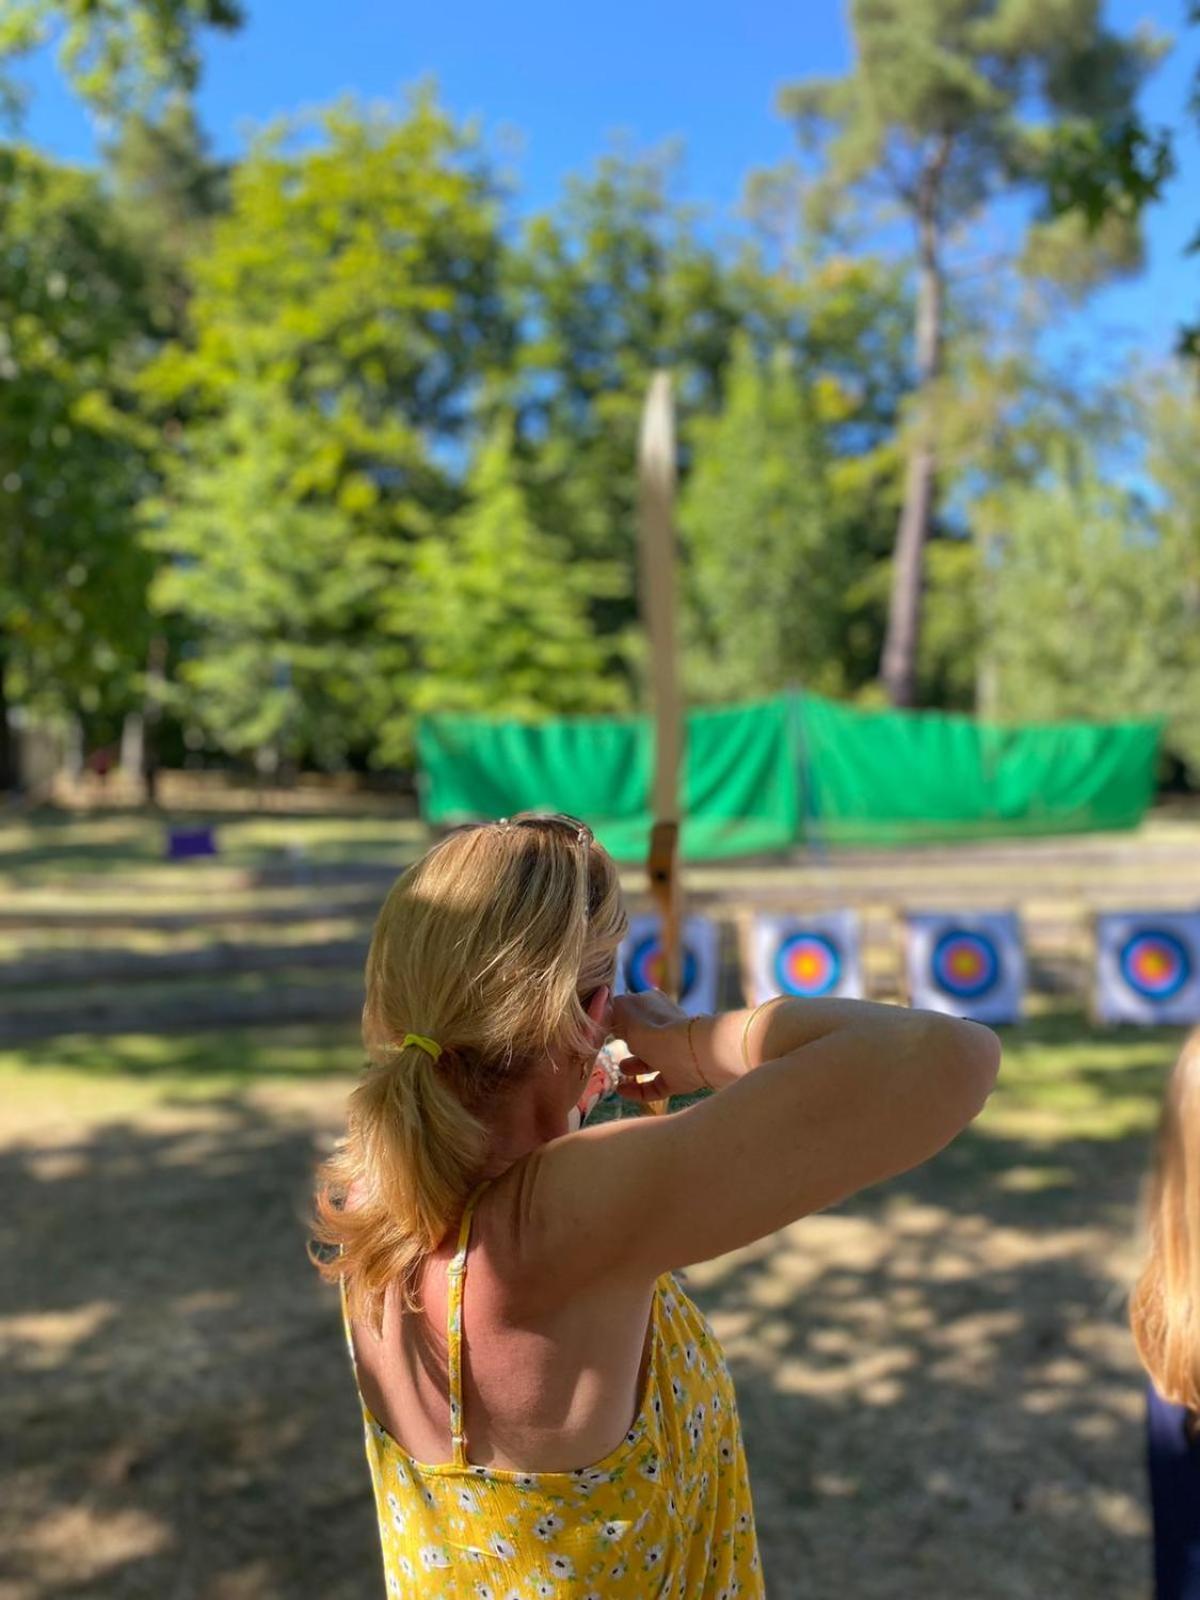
x,y
812,957
640,964
1148,967
970,965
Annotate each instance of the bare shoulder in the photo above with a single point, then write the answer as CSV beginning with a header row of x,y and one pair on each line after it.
x,y
560,1219
546,1253
623,1202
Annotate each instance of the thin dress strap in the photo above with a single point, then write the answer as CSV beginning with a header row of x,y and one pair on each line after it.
x,y
455,1274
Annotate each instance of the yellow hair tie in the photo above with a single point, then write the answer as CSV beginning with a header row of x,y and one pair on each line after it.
x,y
430,1046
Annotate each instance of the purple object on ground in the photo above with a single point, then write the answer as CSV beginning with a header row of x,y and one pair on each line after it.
x,y
184,843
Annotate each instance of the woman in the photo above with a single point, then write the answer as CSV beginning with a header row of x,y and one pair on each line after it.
x,y
1165,1316
547,1413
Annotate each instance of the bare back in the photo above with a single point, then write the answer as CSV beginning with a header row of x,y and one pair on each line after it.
x,y
550,1382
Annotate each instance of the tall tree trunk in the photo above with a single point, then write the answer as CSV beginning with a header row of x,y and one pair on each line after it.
x,y
899,665
9,776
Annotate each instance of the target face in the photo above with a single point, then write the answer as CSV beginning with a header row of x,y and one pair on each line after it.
x,y
647,969
965,965
807,964
1155,964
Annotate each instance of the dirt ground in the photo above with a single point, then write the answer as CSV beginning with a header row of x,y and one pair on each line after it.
x,y
938,1393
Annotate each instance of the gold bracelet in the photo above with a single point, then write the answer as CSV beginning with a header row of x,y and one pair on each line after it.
x,y
746,1030
692,1021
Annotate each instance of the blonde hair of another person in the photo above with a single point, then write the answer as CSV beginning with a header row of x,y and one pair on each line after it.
x,y
490,945
1165,1305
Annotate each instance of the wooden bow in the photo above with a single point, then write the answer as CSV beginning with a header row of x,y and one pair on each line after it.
x,y
656,562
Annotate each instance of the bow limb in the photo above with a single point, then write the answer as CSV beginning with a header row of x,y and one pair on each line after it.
x,y
657,585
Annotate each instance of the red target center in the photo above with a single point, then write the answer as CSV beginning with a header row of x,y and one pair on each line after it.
x,y
1154,963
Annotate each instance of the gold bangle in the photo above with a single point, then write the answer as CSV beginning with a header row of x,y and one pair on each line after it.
x,y
692,1021
746,1030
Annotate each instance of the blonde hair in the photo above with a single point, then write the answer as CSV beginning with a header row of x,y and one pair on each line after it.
x,y
491,945
1164,1310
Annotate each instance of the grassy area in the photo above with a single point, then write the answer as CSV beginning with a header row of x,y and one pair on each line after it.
x,y
54,847
1062,1079
89,1079
1065,1079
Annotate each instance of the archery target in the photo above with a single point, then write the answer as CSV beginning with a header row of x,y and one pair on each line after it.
x,y
1148,967
965,964
640,964
970,966
1155,964
646,967
809,957
807,964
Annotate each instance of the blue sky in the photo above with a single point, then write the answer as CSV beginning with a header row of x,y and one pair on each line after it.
x,y
566,79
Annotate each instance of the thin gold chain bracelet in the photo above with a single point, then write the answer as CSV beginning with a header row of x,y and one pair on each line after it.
x,y
692,1021
746,1030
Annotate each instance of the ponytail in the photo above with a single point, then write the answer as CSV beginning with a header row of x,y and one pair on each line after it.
x,y
411,1156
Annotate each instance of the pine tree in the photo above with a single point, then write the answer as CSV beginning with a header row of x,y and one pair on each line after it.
x,y
768,569
952,106
500,610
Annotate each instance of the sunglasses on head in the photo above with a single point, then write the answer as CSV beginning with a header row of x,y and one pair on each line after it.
x,y
557,821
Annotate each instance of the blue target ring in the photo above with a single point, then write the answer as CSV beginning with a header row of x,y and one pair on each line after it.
x,y
645,968
1155,963
807,964
964,964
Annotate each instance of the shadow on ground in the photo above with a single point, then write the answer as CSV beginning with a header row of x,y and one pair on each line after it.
x,y
938,1392
179,1412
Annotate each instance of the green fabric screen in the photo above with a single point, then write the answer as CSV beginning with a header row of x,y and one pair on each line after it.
x,y
891,777
740,784
764,776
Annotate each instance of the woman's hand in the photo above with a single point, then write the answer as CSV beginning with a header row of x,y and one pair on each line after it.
x,y
656,1032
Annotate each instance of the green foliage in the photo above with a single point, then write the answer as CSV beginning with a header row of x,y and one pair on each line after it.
x,y
953,105
167,189
370,449
348,302
612,285
276,558
1101,172
118,54
361,269
72,458
498,609
970,98
1172,412
1092,605
354,317
767,552
952,635
1119,170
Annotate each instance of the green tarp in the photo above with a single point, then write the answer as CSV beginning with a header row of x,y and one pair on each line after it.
x,y
889,777
765,776
740,785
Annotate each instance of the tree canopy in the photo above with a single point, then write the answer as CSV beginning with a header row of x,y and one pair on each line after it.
x,y
300,446
953,105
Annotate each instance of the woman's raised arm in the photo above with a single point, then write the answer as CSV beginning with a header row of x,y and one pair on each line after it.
x,y
840,1095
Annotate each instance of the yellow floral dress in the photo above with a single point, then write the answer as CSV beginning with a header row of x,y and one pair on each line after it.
x,y
667,1513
